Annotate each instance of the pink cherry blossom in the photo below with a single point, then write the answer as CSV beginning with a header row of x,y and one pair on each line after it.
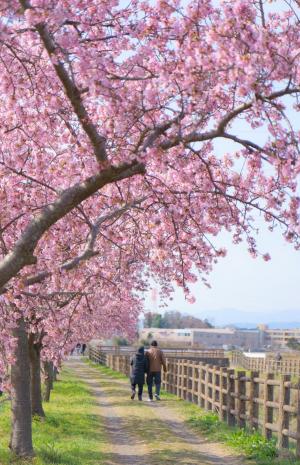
x,y
109,173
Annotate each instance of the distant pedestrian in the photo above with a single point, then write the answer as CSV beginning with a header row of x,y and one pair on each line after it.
x,y
83,348
139,366
78,348
156,360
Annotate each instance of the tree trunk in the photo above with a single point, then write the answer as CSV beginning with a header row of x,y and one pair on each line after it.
x,y
55,373
48,373
35,377
21,435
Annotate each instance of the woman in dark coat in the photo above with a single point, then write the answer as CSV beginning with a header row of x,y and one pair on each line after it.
x,y
139,366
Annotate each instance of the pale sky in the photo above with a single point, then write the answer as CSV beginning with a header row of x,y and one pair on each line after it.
x,y
243,288
247,289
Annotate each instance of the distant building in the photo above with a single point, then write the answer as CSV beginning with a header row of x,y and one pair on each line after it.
x,y
168,337
246,339
218,338
278,338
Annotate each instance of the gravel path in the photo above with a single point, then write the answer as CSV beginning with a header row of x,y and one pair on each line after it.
x,y
144,433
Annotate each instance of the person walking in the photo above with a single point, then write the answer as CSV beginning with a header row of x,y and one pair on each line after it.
x,y
78,348
156,360
139,366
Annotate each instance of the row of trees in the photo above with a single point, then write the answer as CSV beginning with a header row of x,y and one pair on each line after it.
x,y
109,176
293,343
174,319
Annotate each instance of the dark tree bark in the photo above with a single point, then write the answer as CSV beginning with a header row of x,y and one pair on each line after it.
x,y
48,380
55,373
35,377
21,435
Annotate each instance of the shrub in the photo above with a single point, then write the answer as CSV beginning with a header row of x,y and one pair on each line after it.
x,y
253,444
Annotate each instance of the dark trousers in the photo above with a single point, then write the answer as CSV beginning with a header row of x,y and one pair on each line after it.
x,y
156,377
140,388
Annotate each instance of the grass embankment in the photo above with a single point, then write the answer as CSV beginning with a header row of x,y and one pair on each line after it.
x,y
250,444
70,434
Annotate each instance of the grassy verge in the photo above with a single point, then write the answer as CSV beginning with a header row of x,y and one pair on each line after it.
x,y
70,434
106,370
251,444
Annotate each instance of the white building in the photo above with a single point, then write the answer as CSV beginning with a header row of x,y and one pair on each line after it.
x,y
218,338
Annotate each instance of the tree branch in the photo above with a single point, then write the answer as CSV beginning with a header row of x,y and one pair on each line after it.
x,y
98,142
89,251
22,254
196,136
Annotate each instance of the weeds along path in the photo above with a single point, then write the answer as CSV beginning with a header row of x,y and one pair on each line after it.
x,y
144,433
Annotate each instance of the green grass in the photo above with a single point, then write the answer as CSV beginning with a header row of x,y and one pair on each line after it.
x,y
70,435
251,444
106,370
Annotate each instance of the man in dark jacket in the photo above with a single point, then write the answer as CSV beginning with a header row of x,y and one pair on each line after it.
x,y
139,364
156,360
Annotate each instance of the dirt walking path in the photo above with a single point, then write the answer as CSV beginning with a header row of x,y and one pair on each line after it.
x,y
145,433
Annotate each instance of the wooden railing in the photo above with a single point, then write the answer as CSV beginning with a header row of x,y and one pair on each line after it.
x,y
286,366
268,402
170,352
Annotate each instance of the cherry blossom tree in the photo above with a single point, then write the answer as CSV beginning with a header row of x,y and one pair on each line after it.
x,y
109,170
56,326
54,322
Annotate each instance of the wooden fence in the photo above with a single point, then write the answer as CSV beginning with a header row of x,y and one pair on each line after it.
x,y
286,366
170,352
266,402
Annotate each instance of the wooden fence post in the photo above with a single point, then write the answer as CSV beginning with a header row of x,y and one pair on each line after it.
x,y
185,379
241,399
222,413
206,391
193,381
268,410
201,386
283,415
181,373
177,376
230,401
170,376
253,400
213,389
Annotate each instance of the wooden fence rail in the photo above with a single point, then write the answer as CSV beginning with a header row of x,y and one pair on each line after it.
x,y
170,352
288,366
268,402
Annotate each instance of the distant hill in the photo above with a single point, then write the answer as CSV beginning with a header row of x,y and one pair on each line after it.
x,y
277,319
271,325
